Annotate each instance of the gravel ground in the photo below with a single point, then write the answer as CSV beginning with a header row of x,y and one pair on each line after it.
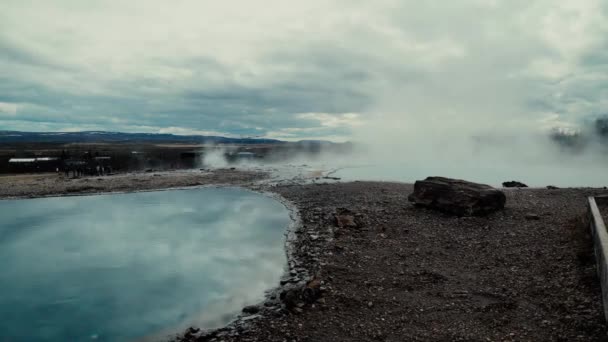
x,y
389,271
401,273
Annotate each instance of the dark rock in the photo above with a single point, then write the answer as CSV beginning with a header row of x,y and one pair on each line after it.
x,y
191,333
290,297
552,187
458,197
312,291
514,184
345,218
251,309
345,221
531,216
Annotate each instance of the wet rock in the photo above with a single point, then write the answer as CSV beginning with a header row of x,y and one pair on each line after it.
x,y
270,304
514,184
457,197
205,337
249,318
290,298
191,333
251,309
312,291
289,280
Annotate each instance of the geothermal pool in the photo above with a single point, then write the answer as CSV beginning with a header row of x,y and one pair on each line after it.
x,y
131,266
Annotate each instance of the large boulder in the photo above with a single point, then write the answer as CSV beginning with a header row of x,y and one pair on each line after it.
x,y
456,196
514,184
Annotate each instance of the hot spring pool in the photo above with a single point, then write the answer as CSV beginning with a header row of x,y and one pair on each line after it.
x,y
128,266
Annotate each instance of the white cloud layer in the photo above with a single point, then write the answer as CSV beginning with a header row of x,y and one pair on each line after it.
x,y
339,69
8,109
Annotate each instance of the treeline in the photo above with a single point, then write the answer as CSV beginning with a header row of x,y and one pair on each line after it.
x,y
595,132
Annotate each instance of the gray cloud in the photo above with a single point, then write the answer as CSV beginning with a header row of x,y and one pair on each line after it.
x,y
238,68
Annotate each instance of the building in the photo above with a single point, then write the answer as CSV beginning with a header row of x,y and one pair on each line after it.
x,y
39,164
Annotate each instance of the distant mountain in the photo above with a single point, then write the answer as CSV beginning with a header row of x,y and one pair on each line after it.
x,y
317,142
118,137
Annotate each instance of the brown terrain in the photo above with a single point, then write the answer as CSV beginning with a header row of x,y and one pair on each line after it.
x,y
55,184
366,265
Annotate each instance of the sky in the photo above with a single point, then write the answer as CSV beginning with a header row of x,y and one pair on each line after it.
x,y
316,69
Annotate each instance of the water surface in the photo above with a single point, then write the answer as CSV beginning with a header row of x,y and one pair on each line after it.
x,y
126,266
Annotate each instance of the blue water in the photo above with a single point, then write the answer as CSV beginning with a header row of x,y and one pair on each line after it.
x,y
135,266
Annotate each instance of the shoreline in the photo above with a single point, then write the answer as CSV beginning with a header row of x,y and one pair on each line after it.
x,y
407,273
245,180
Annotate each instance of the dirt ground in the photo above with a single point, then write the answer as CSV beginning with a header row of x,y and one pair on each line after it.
x,y
50,184
395,272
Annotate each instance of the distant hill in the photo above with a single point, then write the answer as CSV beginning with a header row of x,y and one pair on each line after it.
x,y
118,137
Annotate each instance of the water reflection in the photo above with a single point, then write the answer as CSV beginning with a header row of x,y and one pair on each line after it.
x,y
118,267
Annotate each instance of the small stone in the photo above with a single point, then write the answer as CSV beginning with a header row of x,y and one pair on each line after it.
x,y
251,309
531,216
290,298
312,291
345,221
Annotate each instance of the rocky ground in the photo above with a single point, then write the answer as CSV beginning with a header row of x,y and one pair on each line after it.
x,y
389,271
366,265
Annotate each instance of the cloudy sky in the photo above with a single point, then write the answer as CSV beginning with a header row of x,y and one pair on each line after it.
x,y
305,69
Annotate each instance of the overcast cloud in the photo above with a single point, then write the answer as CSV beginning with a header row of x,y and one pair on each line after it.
x,y
297,70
